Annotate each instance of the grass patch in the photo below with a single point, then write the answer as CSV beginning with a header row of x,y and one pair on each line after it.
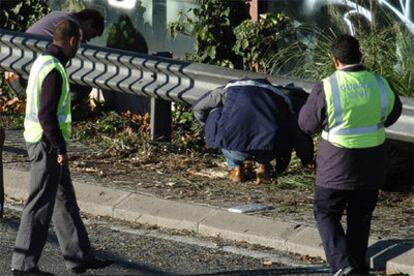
x,y
12,120
113,133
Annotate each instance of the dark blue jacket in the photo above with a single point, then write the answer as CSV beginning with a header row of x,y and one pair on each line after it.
x,y
252,117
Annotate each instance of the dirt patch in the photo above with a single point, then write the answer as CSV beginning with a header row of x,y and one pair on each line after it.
x,y
175,173
202,179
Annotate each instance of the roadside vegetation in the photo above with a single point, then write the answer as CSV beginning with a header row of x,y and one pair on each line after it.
x,y
387,50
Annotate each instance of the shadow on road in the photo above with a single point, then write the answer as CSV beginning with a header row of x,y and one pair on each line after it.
x,y
134,268
319,270
383,251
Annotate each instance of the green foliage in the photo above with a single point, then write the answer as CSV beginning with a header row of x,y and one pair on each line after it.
x,y
11,120
116,134
127,133
123,35
19,15
387,49
257,41
111,123
389,52
313,61
182,115
213,30
73,5
187,132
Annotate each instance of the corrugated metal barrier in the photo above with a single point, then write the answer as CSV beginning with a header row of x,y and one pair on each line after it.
x,y
152,76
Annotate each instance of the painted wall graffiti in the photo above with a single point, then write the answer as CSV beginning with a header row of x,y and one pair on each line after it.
x,y
151,17
122,4
403,9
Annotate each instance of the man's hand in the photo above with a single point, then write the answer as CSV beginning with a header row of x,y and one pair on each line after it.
x,y
62,159
10,76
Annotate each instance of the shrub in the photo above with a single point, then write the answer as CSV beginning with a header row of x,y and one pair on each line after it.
x,y
16,16
257,41
19,15
387,51
212,29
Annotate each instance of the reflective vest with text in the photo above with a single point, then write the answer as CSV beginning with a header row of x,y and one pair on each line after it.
x,y
357,105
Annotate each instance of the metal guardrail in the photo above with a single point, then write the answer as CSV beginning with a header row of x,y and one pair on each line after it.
x,y
403,129
152,76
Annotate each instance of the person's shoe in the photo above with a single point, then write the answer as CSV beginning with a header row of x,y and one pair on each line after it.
x,y
31,272
262,174
248,169
92,263
236,175
349,270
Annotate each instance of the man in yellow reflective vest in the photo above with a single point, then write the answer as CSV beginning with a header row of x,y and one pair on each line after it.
x,y
351,107
51,195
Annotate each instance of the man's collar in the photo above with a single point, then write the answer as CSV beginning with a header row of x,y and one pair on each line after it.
x,y
352,67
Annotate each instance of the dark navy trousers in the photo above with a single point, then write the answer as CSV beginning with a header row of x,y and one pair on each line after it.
x,y
344,247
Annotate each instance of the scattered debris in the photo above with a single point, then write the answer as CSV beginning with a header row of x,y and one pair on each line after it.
x,y
249,208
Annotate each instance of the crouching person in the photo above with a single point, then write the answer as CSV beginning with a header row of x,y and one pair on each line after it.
x,y
250,119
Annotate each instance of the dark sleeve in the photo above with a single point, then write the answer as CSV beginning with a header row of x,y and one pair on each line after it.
x,y
395,112
312,116
283,160
49,101
202,107
302,142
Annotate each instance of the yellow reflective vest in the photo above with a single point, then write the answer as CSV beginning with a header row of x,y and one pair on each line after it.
x,y
357,105
42,66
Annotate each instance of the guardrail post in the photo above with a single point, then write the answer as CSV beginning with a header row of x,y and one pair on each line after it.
x,y
2,138
160,120
161,116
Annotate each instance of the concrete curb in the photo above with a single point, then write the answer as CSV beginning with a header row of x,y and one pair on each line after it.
x,y
394,256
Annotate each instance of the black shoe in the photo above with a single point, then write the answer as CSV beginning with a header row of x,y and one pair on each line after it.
x,y
91,264
31,272
349,270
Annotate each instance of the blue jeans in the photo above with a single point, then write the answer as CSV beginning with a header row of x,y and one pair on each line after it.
x,y
236,158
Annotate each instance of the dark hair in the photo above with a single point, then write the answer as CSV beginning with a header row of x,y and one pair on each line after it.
x,y
94,15
346,49
66,29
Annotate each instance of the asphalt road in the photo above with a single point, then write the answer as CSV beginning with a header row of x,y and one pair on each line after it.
x,y
141,250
